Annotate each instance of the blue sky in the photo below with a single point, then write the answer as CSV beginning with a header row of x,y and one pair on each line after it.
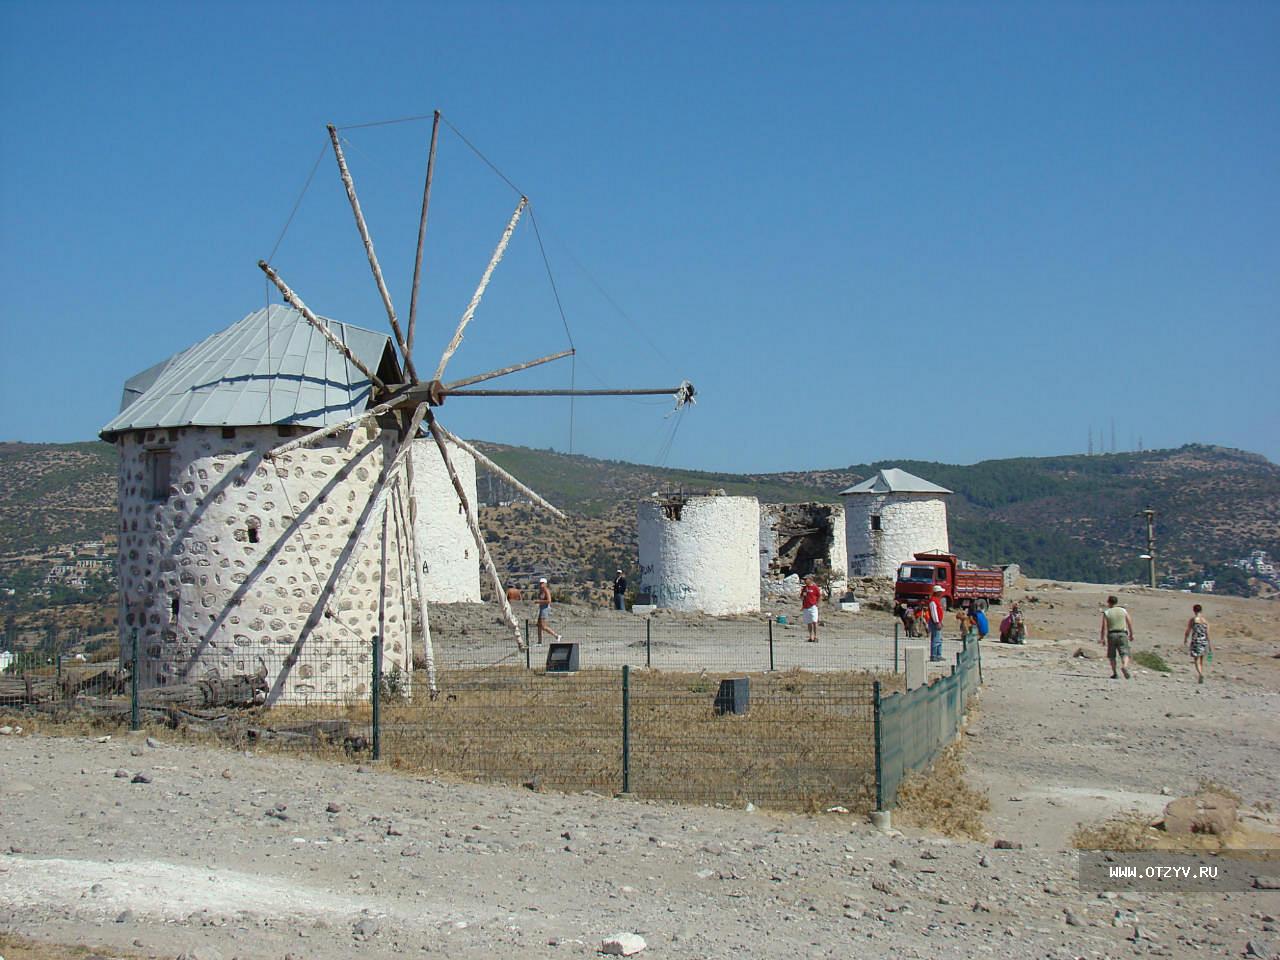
x,y
921,230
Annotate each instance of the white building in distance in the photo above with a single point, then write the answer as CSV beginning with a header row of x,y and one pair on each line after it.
x,y
891,517
701,553
451,566
227,559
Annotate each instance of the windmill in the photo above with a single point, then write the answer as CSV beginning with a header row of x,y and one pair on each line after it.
x,y
412,403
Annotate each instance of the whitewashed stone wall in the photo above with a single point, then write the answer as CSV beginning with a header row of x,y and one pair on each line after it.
x,y
839,552
206,598
445,546
708,560
909,524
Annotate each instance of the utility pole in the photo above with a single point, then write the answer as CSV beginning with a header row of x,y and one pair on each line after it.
x,y
1151,544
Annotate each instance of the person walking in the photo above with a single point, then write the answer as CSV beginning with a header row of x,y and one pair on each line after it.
x,y
620,592
936,613
544,610
1116,632
1196,637
810,594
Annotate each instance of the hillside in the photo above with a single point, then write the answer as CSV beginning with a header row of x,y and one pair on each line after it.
x,y
55,493
1070,517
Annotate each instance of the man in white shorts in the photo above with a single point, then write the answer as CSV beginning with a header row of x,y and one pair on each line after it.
x,y
810,594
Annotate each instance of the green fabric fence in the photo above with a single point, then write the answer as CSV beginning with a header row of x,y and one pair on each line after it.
x,y
912,728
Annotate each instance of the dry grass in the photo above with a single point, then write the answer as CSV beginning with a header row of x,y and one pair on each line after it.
x,y
942,799
1207,786
14,947
805,743
1127,833
806,740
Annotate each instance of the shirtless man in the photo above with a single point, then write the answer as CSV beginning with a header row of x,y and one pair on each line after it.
x,y
544,610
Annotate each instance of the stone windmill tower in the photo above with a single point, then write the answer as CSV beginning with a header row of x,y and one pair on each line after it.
x,y
270,514
891,517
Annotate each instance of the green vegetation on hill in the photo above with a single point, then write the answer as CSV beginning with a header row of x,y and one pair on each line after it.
x,y
1069,517
55,493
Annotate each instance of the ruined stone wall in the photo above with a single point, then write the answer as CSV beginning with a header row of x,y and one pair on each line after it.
x,y
227,570
445,545
707,560
909,524
776,516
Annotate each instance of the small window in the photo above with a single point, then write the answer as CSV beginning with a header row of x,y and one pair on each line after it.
x,y
942,574
228,433
158,464
284,430
875,521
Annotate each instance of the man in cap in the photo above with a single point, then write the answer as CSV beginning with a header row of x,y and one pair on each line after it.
x,y
620,592
544,610
936,613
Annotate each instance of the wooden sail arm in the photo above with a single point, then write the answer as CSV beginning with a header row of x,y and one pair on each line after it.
x,y
296,302
514,368
494,468
369,252
422,234
470,312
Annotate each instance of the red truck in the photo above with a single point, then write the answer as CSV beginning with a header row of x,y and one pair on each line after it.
x,y
960,584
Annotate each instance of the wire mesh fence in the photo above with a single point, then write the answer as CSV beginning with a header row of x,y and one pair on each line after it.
x,y
673,643
639,707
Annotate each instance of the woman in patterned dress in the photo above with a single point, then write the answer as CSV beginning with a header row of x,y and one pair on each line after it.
x,y
1196,638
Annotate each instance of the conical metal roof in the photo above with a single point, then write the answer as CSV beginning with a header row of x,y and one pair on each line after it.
x,y
272,367
894,480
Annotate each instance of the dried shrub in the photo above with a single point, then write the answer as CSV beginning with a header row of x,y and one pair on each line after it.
x,y
942,799
1126,833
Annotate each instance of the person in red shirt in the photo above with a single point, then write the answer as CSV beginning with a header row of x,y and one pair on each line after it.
x,y
937,611
809,596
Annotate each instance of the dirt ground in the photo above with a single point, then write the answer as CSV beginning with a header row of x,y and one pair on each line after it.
x,y
214,854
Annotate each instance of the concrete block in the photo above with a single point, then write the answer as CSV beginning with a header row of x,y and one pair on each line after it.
x,y
914,657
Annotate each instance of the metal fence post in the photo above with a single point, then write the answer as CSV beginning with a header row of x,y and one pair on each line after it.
x,y
626,728
58,668
875,694
771,644
135,721
895,648
648,642
377,698
528,650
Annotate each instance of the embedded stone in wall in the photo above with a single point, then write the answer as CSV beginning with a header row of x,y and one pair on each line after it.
x,y
187,627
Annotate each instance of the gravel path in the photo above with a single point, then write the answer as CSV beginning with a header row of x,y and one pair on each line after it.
x,y
215,854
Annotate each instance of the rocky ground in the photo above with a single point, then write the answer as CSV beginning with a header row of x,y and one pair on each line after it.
x,y
155,849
